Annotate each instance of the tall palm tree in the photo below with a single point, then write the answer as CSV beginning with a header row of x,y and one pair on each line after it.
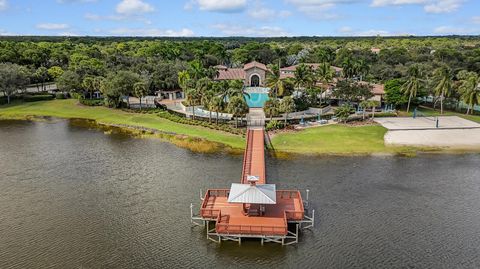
x,y
412,85
196,70
349,68
275,82
184,80
361,68
287,105
238,107
207,101
236,88
192,99
325,75
443,77
272,107
469,90
216,105
303,76
88,85
140,90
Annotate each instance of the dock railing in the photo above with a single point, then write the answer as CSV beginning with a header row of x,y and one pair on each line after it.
x,y
234,229
292,194
208,212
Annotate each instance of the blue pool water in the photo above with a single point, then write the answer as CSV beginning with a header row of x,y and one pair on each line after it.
x,y
256,99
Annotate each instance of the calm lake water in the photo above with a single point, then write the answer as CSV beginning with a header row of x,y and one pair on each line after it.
x,y
71,197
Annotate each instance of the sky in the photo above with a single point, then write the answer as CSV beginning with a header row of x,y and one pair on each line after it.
x,y
253,18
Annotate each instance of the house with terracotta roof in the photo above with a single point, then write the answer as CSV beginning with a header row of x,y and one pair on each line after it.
x,y
253,74
378,91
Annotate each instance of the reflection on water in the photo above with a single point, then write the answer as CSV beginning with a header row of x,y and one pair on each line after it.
x,y
71,197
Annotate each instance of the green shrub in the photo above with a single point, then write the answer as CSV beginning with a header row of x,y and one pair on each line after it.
x,y
35,98
76,95
60,95
275,125
385,114
92,102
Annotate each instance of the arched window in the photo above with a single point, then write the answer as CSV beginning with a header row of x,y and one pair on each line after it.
x,y
255,81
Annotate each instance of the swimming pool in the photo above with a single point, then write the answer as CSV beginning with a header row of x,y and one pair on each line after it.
x,y
256,99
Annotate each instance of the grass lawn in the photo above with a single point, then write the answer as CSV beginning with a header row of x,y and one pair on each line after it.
x,y
336,139
430,112
71,109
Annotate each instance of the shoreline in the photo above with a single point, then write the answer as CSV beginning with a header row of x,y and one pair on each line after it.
x,y
235,146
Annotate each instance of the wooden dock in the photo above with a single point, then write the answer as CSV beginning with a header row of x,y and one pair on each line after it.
x,y
231,221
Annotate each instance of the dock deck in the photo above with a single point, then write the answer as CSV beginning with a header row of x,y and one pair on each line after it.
x,y
232,223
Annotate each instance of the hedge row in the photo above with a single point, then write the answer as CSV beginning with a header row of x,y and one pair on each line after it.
x,y
221,127
35,98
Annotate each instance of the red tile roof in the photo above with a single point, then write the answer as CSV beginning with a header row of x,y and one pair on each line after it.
x,y
255,64
377,89
220,67
231,74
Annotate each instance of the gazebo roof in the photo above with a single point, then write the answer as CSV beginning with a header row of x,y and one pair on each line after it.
x,y
252,194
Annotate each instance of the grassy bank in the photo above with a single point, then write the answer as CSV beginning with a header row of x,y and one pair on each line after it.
x,y
337,139
71,109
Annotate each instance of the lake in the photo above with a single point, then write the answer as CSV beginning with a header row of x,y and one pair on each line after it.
x,y
74,197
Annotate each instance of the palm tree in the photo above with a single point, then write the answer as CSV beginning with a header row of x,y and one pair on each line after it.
x,y
361,68
349,67
216,105
238,107
196,70
412,85
275,82
236,89
469,90
272,107
325,75
303,76
444,79
207,101
97,82
88,85
140,89
287,106
343,112
192,98
184,80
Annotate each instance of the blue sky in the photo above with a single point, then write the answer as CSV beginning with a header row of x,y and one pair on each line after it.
x,y
239,17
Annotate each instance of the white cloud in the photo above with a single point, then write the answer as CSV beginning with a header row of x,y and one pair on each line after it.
x,y
349,31
52,26
3,5
317,9
450,30
116,17
67,34
476,19
218,5
133,7
345,29
260,12
241,30
430,6
152,32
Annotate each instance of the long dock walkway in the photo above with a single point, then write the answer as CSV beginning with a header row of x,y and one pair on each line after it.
x,y
232,223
